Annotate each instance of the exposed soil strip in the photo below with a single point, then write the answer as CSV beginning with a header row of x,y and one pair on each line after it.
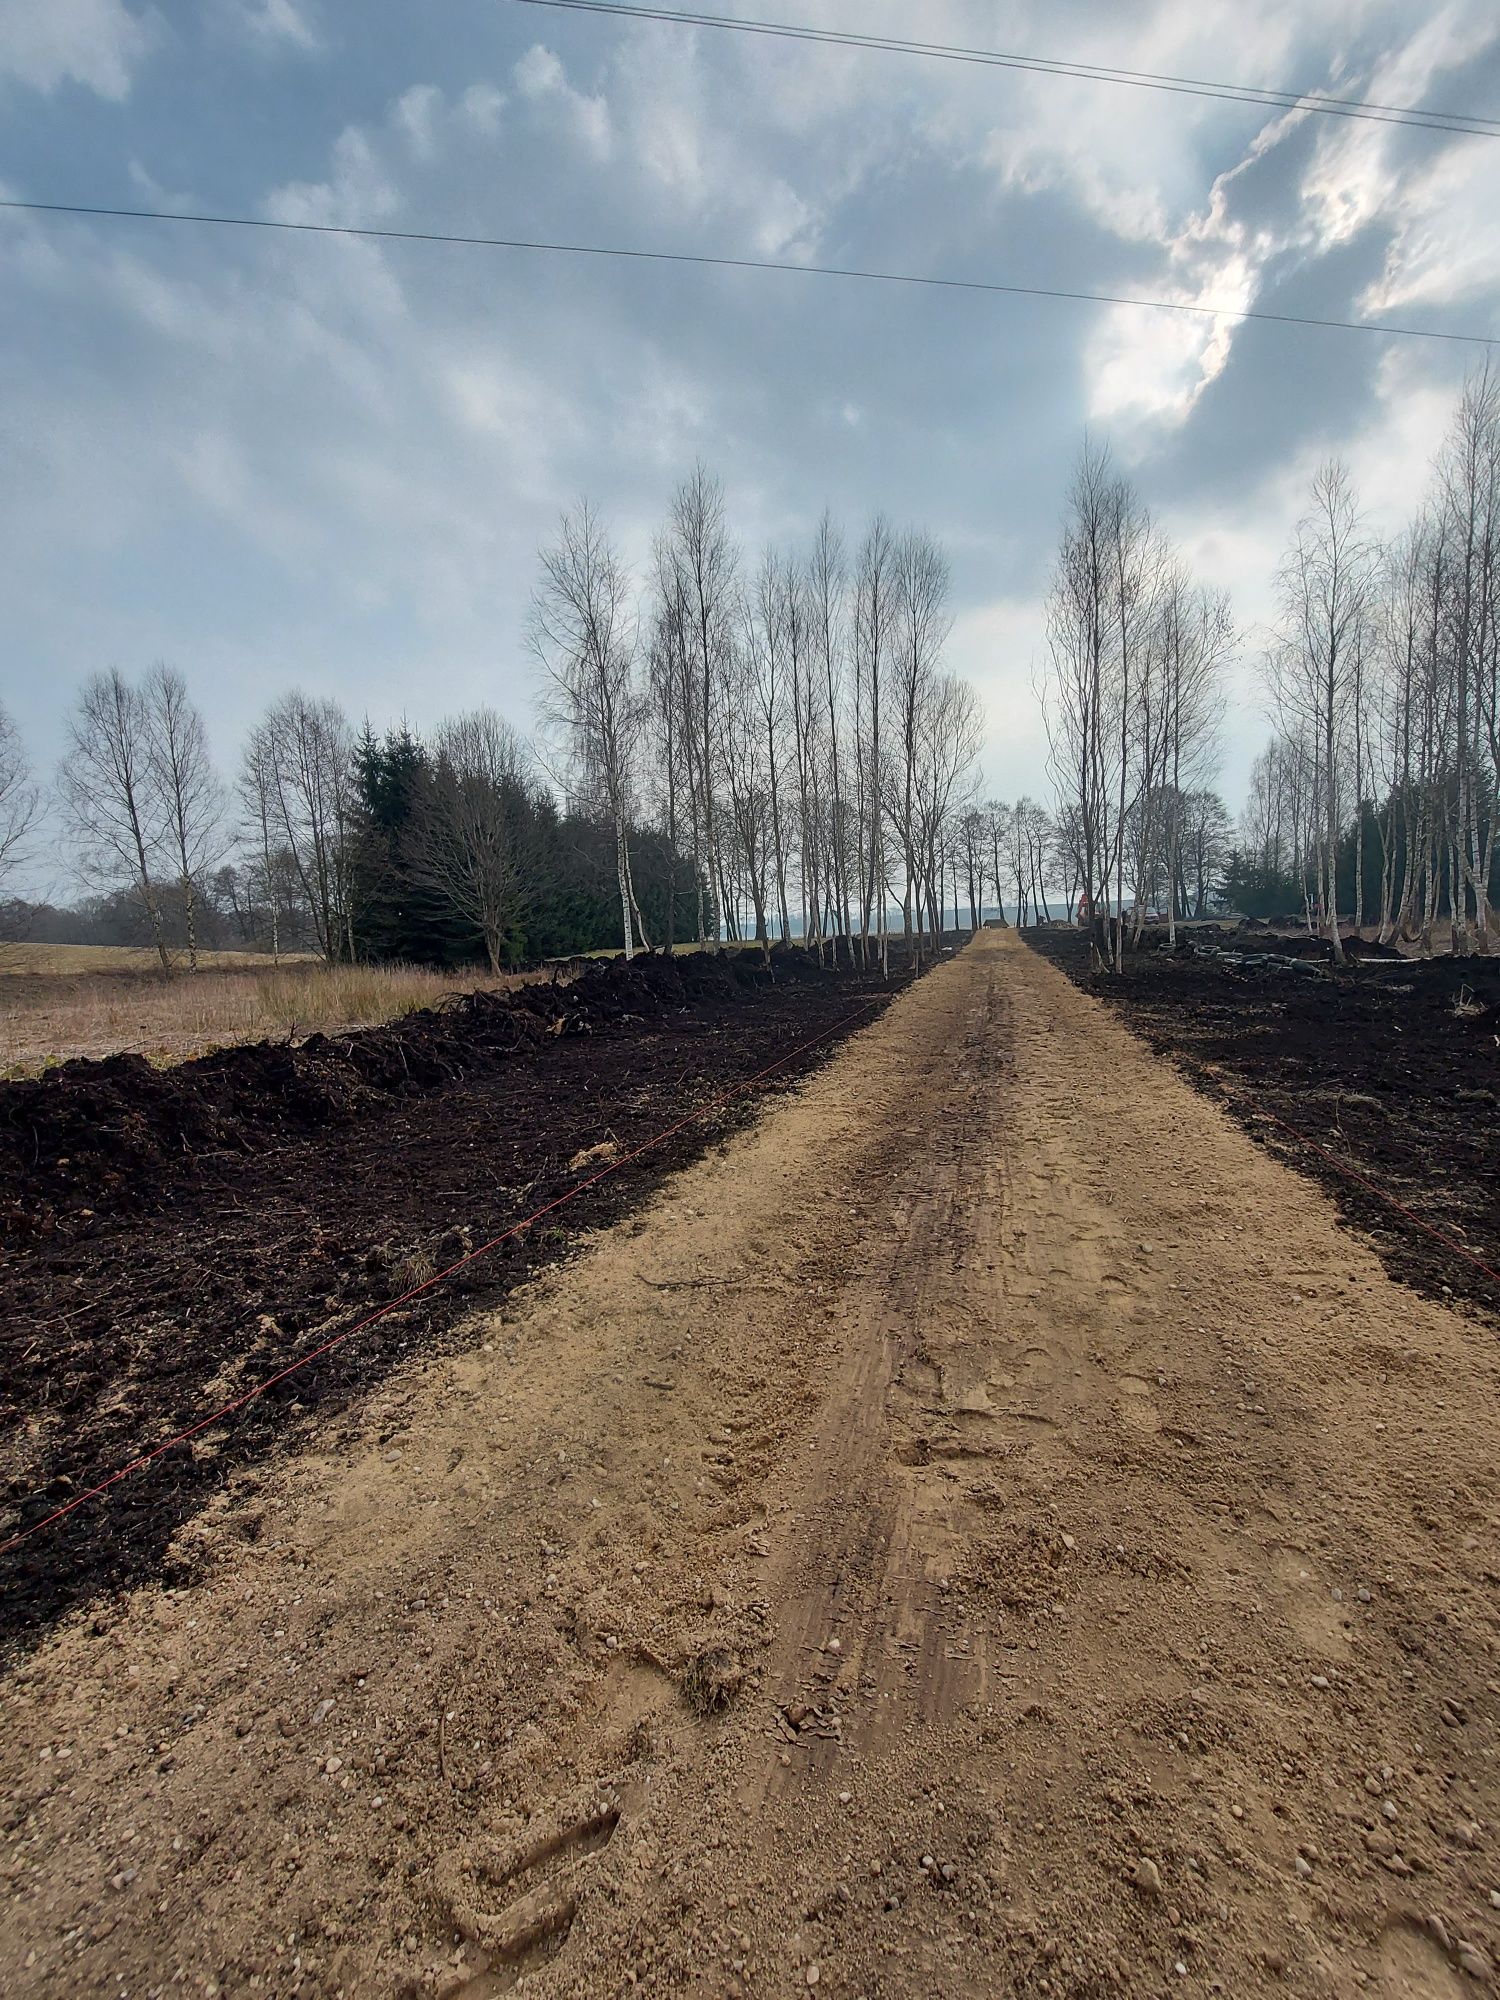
x,y
1393,1069
180,1235
984,1533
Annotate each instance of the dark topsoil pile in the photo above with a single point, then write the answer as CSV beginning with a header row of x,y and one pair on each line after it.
x,y
116,1136
173,1237
1391,1065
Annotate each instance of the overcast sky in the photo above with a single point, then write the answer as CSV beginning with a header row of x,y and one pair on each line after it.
x,y
276,460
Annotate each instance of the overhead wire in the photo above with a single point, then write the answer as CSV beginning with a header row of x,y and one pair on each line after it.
x,y
1418,117
633,253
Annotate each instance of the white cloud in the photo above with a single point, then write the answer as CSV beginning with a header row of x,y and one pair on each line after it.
x,y
1446,246
501,403
706,149
1130,157
97,43
540,76
273,25
416,114
1148,368
359,190
481,105
1364,169
539,73
787,227
670,149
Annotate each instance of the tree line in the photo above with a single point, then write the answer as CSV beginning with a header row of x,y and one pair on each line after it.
x,y
1132,697
1376,798
733,747
1377,795
750,745
786,722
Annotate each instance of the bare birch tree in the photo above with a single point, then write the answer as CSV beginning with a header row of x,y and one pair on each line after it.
x,y
1082,637
1196,641
973,843
309,768
257,788
108,799
670,768
945,784
702,560
827,605
919,629
1469,499
875,603
189,804
812,755
20,804
767,652
1326,599
583,633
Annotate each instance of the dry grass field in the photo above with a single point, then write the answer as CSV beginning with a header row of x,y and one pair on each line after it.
x,y
89,1000
61,1001
79,958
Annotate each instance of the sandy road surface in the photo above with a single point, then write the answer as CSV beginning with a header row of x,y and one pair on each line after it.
x,y
987,1531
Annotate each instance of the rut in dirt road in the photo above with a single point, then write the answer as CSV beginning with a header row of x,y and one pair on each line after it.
x,y
989,1530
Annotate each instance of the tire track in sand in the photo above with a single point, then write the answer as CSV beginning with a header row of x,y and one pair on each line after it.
x,y
1155,1526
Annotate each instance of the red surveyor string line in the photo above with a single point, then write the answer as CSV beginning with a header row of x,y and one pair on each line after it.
x,y
1353,1174
390,1306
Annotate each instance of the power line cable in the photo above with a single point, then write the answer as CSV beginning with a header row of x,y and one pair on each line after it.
x,y
1461,124
628,254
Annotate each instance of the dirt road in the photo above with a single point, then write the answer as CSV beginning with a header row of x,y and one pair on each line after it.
x,y
988,1530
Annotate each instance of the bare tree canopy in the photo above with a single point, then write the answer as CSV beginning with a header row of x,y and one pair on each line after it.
x,y
1131,702
305,759
778,745
757,743
1382,783
583,631
1315,666
20,804
466,836
106,788
189,800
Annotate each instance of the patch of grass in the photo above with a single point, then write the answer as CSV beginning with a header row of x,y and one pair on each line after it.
x,y
338,995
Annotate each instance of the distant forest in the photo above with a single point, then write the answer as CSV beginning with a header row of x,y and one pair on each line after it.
x,y
396,910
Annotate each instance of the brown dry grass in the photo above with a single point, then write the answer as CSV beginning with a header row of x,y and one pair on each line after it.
x,y
81,958
47,1017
